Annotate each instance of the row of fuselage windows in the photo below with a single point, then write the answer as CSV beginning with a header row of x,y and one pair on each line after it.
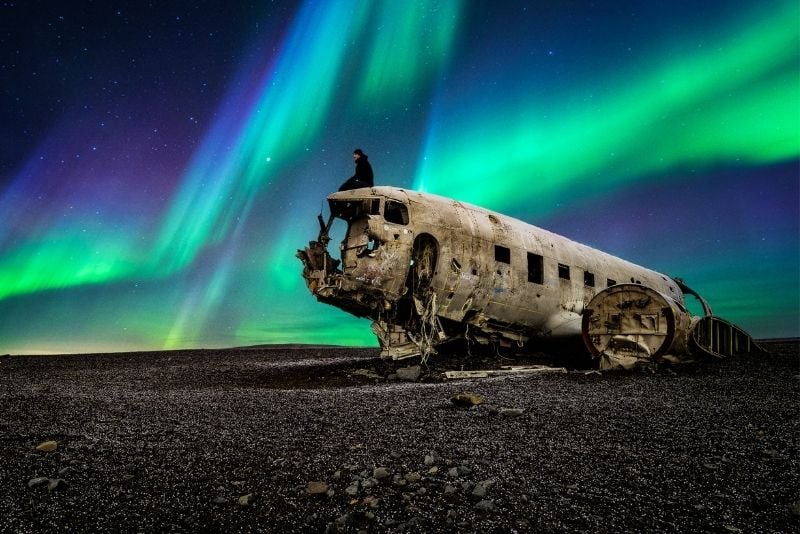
x,y
536,268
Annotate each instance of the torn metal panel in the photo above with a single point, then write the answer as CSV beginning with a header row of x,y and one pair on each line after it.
x,y
627,323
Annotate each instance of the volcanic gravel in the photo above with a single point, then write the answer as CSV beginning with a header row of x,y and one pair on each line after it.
x,y
327,439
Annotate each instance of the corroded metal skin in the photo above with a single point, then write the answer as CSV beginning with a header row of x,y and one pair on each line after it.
x,y
626,324
428,270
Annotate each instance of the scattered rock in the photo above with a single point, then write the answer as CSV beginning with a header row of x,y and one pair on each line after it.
x,y
352,489
47,446
38,481
481,487
486,506
380,473
410,373
467,399
459,471
489,447
316,487
413,477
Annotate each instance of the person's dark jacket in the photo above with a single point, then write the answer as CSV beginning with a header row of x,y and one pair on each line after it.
x,y
364,171
363,176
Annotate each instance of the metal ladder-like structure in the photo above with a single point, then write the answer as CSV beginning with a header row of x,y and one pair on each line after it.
x,y
718,338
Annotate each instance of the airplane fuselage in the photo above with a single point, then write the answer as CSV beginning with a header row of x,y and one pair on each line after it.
x,y
427,269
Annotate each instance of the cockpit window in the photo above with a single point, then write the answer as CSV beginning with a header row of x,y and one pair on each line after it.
x,y
374,206
353,209
395,212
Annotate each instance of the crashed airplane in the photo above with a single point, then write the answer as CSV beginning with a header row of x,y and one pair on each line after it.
x,y
429,270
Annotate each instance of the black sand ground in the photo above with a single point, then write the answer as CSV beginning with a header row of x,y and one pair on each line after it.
x,y
229,441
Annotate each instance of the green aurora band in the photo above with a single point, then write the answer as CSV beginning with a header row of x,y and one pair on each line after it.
x,y
735,102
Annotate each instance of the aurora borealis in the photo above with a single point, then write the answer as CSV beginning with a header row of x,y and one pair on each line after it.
x,y
161,164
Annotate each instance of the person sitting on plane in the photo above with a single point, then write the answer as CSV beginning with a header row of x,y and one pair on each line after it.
x,y
363,176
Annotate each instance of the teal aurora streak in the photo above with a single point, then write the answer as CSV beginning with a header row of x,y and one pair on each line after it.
x,y
213,263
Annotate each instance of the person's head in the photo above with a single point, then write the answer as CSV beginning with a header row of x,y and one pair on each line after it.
x,y
357,154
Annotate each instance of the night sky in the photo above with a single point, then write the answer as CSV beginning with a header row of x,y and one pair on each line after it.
x,y
161,163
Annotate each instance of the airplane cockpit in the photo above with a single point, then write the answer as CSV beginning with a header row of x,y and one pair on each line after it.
x,y
373,237
370,223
